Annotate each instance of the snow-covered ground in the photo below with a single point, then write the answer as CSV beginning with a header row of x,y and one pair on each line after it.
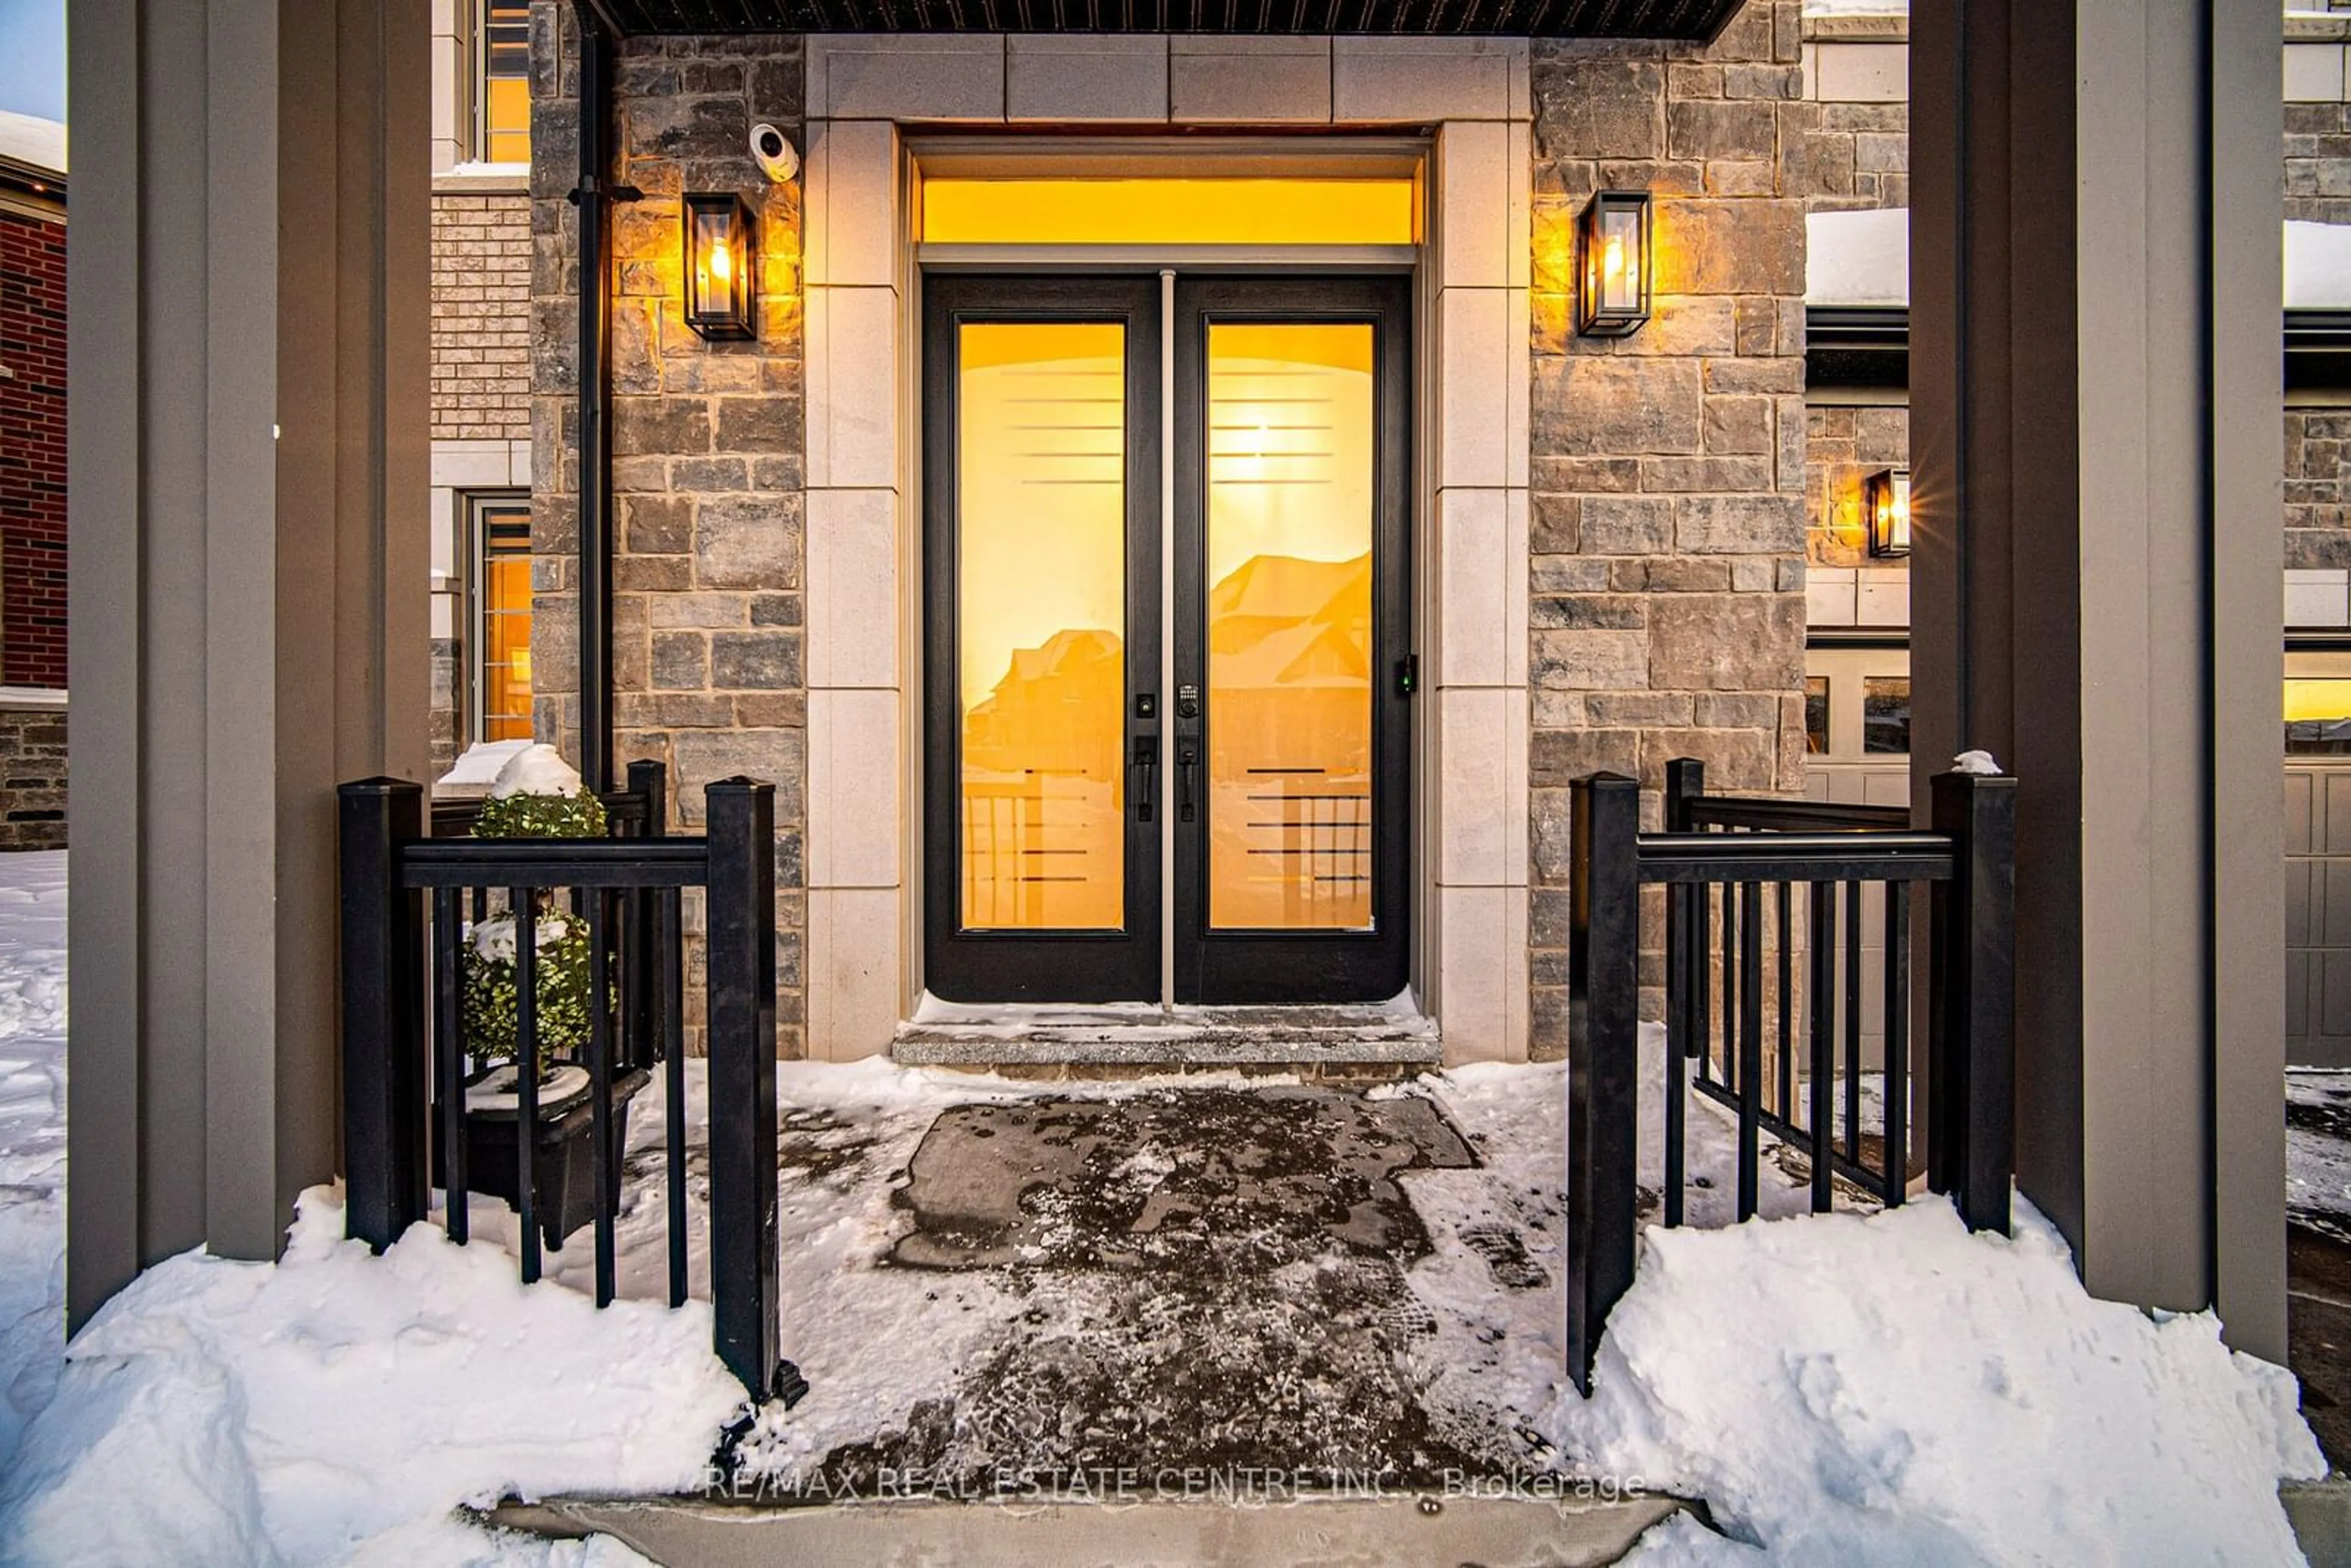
x,y
32,1135
1854,1388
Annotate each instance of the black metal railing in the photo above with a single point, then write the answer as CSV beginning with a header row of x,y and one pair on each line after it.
x,y
1766,906
405,1049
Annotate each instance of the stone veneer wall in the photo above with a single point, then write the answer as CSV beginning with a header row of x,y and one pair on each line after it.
x,y
1846,444
2317,488
445,683
1845,149
32,779
1668,467
707,661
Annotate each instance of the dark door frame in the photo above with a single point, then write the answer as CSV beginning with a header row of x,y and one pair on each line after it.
x,y
1293,966
963,965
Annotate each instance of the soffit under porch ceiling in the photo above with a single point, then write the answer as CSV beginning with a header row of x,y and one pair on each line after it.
x,y
1697,20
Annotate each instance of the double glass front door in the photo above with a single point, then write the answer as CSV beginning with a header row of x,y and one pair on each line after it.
x,y
1167,745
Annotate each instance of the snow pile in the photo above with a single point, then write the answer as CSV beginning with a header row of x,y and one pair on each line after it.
x,y
32,1135
2317,266
249,1413
536,770
1889,1388
477,767
494,939
1857,258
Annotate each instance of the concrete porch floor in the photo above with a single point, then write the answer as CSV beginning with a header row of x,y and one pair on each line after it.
x,y
1187,1298
1494,1532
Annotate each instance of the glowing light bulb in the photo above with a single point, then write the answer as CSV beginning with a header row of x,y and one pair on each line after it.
x,y
721,263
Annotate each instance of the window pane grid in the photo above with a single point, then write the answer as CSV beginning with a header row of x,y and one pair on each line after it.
x,y
506,81
503,634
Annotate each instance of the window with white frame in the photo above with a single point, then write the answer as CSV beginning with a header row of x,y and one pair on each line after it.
x,y
502,98
500,643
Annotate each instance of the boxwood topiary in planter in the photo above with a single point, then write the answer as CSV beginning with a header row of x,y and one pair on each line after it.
x,y
537,796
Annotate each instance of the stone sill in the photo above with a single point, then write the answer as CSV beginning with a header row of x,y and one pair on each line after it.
x,y
32,699
2317,26
1858,29
484,180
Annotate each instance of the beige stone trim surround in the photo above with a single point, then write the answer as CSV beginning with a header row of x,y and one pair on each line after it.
x,y
863,516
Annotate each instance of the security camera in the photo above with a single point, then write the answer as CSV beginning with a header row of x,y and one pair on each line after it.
x,y
774,152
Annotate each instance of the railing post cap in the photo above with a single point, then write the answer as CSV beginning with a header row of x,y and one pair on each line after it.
x,y
738,783
381,784
1956,779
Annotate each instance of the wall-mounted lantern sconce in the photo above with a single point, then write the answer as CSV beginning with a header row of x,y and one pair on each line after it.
x,y
1886,503
720,257
1612,244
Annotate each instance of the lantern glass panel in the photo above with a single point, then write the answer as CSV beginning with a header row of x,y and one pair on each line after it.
x,y
718,267
1613,237
1889,513
1619,259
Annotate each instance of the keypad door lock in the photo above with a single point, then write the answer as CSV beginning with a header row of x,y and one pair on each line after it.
x,y
1188,702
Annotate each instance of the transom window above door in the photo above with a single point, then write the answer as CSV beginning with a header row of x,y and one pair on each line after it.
x,y
1159,201
1170,211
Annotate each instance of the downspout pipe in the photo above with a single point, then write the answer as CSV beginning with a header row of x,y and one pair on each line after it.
x,y
593,196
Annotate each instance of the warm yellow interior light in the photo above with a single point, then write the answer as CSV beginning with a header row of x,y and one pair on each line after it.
x,y
1168,212
720,265
2307,700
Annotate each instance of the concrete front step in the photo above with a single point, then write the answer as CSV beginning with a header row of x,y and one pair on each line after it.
x,y
1387,1040
1401,1531
2320,1513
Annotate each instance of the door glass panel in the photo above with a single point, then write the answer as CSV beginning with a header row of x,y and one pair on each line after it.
x,y
1041,606
1289,520
1885,714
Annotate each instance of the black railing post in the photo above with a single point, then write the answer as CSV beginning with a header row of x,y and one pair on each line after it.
x,y
742,1024
384,1115
641,996
1971,1049
1685,951
1603,1058
1684,782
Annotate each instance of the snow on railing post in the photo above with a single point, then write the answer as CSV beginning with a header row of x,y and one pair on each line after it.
x,y
742,1025
382,934
1971,1046
1602,1057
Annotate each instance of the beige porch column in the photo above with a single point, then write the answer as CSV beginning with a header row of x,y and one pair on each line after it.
x,y
247,455
2097,379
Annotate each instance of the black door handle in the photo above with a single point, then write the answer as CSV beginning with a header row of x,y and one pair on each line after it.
x,y
1146,766
1187,757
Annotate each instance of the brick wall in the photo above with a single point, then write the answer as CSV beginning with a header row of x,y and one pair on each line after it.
x,y
1668,467
709,472
33,452
481,318
32,779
